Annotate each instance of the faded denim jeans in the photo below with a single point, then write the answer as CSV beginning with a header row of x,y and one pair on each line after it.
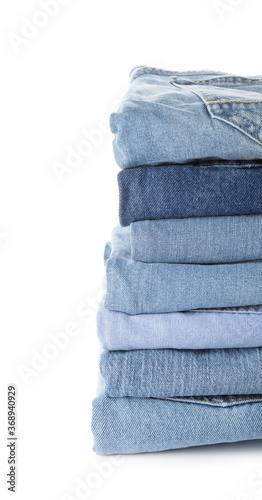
x,y
138,425
198,240
172,117
157,373
199,329
137,287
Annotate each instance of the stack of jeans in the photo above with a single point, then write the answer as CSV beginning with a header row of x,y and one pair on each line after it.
x,y
181,323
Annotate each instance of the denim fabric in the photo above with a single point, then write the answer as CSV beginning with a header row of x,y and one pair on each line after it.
x,y
200,329
175,191
137,287
137,425
198,240
158,373
171,117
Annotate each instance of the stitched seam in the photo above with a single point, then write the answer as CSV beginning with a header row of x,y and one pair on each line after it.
x,y
148,70
212,402
154,71
240,126
234,312
227,403
236,101
158,71
241,116
214,97
238,79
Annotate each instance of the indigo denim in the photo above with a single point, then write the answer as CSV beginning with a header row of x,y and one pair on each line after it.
x,y
157,373
198,240
175,191
137,287
172,117
137,425
200,329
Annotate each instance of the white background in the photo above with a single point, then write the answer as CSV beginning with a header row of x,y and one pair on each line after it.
x,y
65,80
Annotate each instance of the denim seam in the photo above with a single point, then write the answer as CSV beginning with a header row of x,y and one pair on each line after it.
x,y
210,103
231,101
148,70
211,402
231,312
234,122
216,403
241,116
225,79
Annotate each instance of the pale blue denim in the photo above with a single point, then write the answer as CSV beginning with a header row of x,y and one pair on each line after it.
x,y
137,425
137,287
172,117
200,329
198,240
158,373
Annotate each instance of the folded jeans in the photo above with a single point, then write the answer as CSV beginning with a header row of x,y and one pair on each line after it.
x,y
138,425
137,287
167,117
157,373
199,329
175,191
198,240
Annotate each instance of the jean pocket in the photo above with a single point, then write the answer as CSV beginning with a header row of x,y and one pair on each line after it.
x,y
220,401
231,99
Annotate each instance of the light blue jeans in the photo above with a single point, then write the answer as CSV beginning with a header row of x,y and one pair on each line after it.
x,y
172,117
198,240
138,287
200,329
138,425
161,373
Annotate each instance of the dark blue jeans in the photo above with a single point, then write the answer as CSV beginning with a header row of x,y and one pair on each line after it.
x,y
177,191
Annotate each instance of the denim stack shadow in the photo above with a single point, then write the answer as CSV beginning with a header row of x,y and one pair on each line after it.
x,y
181,323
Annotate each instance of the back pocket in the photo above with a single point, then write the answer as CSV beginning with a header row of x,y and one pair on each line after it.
x,y
231,99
